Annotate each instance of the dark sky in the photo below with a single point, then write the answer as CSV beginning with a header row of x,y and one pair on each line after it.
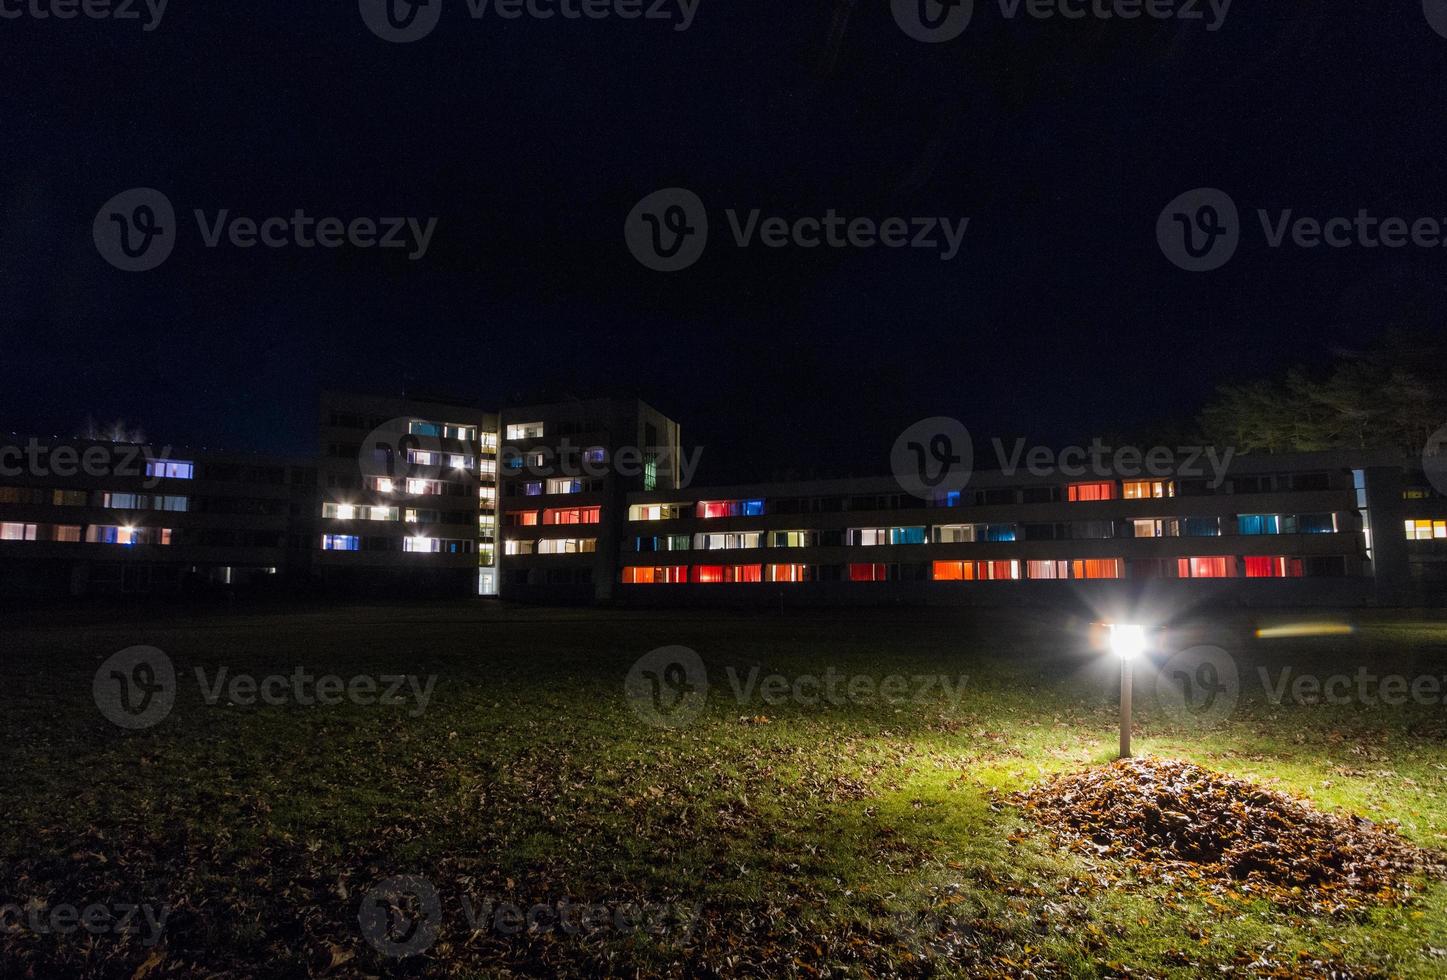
x,y
530,141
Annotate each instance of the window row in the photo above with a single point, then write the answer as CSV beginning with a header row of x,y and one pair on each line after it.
x,y
988,571
92,534
99,498
552,546
1191,527
416,545
554,515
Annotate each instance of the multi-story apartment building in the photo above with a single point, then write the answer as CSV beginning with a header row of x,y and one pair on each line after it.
x,y
82,517
586,501
1319,528
566,470
408,496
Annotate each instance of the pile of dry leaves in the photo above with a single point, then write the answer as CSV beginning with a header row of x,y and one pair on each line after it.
x,y
1162,814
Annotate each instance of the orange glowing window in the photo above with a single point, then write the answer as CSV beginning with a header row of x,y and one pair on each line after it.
x,y
1097,568
1148,489
1207,568
522,518
954,571
1082,492
655,575
868,573
572,515
787,573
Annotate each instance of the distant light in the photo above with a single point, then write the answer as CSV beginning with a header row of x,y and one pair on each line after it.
x,y
1305,629
1127,641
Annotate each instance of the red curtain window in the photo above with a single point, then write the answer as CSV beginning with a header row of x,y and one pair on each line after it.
x,y
1082,492
868,573
1207,568
1267,567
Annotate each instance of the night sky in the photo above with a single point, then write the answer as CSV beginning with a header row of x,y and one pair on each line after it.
x,y
531,140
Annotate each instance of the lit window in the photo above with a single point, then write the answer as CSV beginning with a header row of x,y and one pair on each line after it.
x,y
660,575
573,515
730,508
65,532
1084,492
868,573
525,430
1147,490
788,573
419,428
1206,568
567,546
656,512
955,534
168,469
976,571
1426,530
417,544
533,489
341,542
17,532
1258,524
565,485
596,454
1093,568
522,518
728,542
714,574
1259,567
1047,569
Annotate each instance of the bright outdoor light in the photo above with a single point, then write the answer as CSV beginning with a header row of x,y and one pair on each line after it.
x,y
1127,642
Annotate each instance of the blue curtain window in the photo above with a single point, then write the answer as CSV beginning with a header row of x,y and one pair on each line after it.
x,y
1254,524
999,532
751,508
1201,527
1317,524
906,535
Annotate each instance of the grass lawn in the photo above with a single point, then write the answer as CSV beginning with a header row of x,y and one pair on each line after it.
x,y
869,837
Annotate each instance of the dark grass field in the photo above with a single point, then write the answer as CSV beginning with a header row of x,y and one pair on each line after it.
x,y
558,832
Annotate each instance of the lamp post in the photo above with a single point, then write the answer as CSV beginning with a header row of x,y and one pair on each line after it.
x,y
1128,643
